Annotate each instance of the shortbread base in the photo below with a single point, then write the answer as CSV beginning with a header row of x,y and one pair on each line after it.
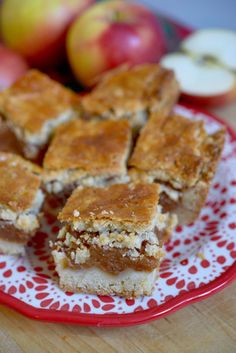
x,y
129,283
11,248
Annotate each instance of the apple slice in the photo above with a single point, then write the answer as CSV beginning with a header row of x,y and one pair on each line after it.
x,y
219,45
201,82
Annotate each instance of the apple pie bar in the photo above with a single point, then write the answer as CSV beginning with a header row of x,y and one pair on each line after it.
x,y
33,106
89,153
111,240
179,154
20,202
132,93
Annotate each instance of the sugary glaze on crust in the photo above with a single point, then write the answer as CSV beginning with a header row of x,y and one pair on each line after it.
x,y
132,204
131,89
35,99
93,146
19,182
172,148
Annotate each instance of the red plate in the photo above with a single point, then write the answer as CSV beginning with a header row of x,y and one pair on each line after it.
x,y
201,260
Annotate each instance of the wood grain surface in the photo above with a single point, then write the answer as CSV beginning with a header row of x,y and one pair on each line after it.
x,y
206,327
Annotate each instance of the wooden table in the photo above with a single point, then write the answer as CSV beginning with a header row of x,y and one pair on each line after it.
x,y
206,327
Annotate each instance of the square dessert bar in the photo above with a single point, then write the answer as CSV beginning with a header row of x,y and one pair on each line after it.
x,y
87,153
111,241
20,201
178,153
34,106
132,93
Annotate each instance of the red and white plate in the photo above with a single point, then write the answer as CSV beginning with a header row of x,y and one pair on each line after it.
x,y
201,260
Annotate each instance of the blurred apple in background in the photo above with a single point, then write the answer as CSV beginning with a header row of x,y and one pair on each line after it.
x,y
112,33
201,83
206,67
37,28
12,66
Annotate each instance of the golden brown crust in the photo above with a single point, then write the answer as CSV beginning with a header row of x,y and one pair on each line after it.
x,y
177,151
19,182
212,149
194,198
35,99
171,148
94,147
143,87
133,204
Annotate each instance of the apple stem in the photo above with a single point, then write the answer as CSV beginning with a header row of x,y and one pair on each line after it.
x,y
206,60
117,16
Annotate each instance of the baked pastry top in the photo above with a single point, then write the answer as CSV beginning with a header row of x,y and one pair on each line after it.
x,y
130,90
36,99
173,149
19,182
93,146
123,205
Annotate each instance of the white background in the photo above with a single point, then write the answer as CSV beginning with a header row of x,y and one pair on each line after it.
x,y
198,13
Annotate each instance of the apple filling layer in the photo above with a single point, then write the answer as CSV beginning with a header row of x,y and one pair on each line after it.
x,y
9,232
108,251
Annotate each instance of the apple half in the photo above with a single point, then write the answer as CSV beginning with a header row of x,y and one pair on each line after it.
x,y
218,45
201,83
206,67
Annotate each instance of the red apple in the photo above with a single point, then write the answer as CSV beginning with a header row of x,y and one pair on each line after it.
x,y
37,28
12,66
112,33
